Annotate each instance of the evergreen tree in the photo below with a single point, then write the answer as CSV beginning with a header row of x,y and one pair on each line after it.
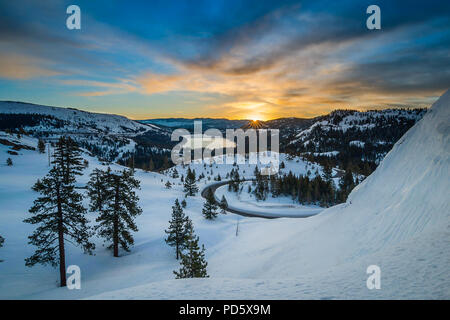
x,y
223,205
151,165
68,158
327,173
2,240
165,163
190,188
210,207
41,146
168,185
119,208
183,203
193,262
131,163
60,216
177,232
97,188
346,184
9,162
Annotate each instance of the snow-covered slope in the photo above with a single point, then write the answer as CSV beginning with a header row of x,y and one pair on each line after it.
x,y
353,135
110,137
92,122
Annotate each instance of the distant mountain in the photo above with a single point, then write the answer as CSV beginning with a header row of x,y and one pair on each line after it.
x,y
290,123
352,138
255,124
343,138
207,123
72,119
110,137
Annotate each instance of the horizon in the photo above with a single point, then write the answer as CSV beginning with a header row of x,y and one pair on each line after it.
x,y
261,61
87,109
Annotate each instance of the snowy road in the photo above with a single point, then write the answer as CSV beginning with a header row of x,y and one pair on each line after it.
x,y
252,213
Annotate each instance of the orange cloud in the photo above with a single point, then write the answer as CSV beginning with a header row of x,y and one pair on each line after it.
x,y
20,67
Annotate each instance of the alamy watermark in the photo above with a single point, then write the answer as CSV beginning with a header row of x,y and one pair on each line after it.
x,y
74,20
74,279
374,20
374,280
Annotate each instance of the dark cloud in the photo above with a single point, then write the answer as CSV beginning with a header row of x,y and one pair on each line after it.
x,y
305,25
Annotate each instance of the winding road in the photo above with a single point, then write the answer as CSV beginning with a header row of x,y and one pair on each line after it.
x,y
244,213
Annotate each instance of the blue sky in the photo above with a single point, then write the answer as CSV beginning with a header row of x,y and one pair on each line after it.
x,y
235,59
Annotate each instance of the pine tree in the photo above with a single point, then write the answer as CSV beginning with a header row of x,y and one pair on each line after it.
x,y
176,234
193,262
183,203
2,240
97,188
131,163
151,165
119,208
60,216
168,185
223,205
346,184
67,156
190,188
41,146
165,163
210,207
327,173
9,162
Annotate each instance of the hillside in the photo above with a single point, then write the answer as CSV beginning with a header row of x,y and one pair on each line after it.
x,y
207,123
351,139
110,137
73,120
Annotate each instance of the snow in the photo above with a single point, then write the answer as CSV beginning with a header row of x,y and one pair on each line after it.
x,y
328,154
271,207
357,143
361,120
397,218
211,168
108,123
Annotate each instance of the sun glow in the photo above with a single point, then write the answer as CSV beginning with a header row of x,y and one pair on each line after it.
x,y
255,117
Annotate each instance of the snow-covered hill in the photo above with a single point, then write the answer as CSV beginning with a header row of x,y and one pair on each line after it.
x,y
110,137
353,135
76,120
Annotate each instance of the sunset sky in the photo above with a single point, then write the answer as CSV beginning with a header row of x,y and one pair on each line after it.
x,y
224,58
